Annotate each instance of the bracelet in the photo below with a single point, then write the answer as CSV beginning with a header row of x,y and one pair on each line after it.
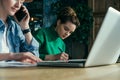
x,y
26,31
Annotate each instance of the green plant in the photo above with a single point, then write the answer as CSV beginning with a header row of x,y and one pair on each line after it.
x,y
85,16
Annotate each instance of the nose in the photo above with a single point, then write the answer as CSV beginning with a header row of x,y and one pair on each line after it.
x,y
18,4
67,33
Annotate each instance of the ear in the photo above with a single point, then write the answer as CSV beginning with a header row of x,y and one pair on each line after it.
x,y
58,22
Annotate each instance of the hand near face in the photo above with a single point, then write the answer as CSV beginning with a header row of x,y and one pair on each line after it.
x,y
24,23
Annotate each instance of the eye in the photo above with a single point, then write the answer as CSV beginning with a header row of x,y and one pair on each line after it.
x,y
21,1
66,28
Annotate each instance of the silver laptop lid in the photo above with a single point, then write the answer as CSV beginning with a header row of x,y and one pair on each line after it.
x,y
106,48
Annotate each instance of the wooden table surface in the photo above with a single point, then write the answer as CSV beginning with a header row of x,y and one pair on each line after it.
x,y
109,72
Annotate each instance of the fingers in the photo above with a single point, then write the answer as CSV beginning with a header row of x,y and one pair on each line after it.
x,y
24,23
64,56
29,61
25,9
28,58
32,57
27,14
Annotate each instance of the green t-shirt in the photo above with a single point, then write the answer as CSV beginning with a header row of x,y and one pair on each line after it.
x,y
49,42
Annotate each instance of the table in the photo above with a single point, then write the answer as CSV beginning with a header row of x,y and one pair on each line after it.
x,y
109,72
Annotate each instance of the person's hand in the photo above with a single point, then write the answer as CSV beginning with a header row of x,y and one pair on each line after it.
x,y
26,57
63,56
24,23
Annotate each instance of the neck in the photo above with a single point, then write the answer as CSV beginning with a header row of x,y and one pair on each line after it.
x,y
3,14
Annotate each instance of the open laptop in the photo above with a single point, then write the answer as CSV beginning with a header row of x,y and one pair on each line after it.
x,y
106,48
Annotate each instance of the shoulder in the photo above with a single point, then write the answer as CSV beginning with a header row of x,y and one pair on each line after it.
x,y
42,31
13,23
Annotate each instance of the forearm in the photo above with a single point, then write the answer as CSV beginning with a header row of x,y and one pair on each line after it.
x,y
23,57
50,57
31,44
27,32
28,37
10,56
61,56
47,57
5,56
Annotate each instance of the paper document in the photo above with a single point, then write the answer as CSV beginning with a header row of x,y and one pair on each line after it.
x,y
16,64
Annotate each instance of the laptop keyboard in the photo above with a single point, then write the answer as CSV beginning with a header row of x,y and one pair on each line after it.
x,y
60,63
69,61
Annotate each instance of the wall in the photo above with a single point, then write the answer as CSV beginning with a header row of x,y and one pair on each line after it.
x,y
48,17
99,10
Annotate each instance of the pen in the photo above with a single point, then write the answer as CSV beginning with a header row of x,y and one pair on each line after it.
x,y
60,49
65,56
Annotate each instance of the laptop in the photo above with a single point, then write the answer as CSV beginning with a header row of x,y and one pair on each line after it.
x,y
118,61
106,48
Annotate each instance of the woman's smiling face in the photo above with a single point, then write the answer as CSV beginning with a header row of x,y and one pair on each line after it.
x,y
11,6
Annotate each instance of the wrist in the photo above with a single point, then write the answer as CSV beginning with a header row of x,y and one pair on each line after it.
x,y
11,56
15,56
50,57
24,26
25,31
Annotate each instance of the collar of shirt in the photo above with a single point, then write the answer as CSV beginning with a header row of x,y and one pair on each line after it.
x,y
2,25
53,31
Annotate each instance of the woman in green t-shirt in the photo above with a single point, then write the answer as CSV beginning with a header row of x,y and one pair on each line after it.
x,y
51,45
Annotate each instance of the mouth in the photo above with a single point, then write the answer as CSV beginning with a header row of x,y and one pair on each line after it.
x,y
14,10
63,37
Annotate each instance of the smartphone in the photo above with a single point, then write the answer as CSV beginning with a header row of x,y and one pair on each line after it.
x,y
20,14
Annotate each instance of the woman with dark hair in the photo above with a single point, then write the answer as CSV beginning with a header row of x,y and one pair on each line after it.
x,y
51,45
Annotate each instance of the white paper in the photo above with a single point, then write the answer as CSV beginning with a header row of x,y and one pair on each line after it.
x,y
16,64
